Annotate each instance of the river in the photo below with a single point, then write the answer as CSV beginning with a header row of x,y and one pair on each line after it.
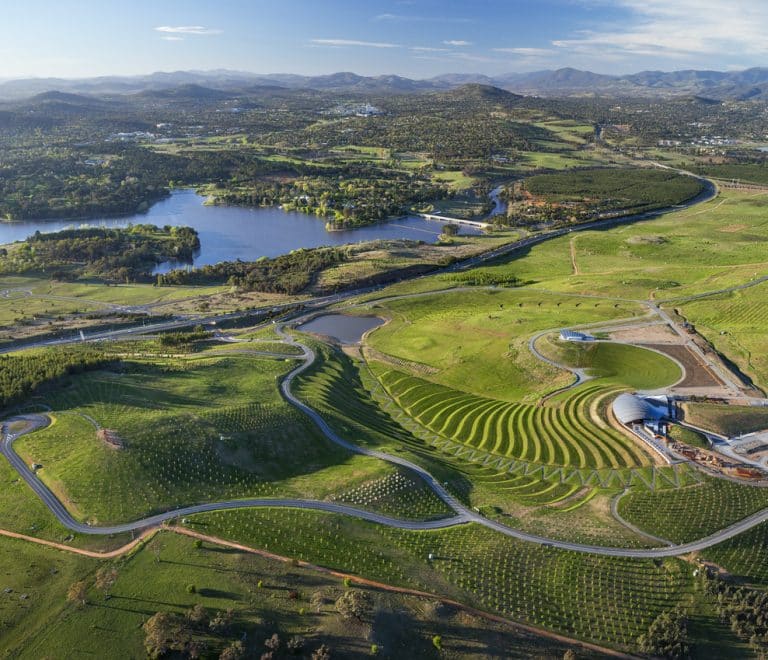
x,y
228,233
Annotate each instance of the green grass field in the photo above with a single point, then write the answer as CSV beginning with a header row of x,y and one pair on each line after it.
x,y
266,597
712,245
629,366
736,325
22,512
33,586
692,512
726,420
194,430
476,339
605,600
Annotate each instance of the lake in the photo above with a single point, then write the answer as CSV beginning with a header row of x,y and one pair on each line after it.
x,y
228,233
347,329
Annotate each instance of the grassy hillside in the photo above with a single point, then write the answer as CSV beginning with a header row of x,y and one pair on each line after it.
x,y
193,430
476,340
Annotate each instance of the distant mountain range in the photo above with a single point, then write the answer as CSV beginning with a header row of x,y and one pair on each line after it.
x,y
751,84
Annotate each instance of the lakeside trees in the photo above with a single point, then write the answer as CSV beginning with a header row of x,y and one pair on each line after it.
x,y
288,273
122,254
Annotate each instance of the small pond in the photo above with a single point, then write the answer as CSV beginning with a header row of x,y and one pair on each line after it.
x,y
346,329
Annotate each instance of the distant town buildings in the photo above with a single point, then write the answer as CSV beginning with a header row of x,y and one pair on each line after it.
x,y
355,110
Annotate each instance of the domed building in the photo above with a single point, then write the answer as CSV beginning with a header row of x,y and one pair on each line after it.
x,y
631,409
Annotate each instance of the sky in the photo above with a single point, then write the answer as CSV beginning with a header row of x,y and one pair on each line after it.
x,y
414,38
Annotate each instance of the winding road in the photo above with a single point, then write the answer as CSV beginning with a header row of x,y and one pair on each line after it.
x,y
462,514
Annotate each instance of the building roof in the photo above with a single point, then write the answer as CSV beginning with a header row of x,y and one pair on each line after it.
x,y
630,408
571,335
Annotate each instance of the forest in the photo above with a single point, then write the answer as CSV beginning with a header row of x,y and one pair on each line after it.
x,y
23,374
288,273
578,196
115,254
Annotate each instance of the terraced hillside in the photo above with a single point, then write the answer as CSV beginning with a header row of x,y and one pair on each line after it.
x,y
565,432
476,338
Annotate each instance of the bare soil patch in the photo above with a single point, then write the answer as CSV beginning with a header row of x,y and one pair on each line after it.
x,y
110,438
659,333
697,374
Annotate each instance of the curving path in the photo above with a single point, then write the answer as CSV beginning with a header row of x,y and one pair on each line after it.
x,y
463,514
36,422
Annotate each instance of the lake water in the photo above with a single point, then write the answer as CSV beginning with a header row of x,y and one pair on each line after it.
x,y
347,329
228,233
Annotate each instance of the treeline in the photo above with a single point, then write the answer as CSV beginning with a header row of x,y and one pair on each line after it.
x,y
183,339
743,172
582,195
359,194
288,273
122,254
667,637
745,610
612,188
480,277
22,375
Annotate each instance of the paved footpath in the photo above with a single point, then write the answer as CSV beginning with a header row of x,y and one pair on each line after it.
x,y
463,514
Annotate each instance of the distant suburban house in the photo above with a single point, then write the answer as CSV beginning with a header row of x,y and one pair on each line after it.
x,y
572,335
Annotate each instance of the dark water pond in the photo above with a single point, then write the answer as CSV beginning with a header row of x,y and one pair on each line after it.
x,y
347,329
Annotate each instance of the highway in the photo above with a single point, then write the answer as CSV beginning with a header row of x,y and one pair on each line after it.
x,y
463,514
708,192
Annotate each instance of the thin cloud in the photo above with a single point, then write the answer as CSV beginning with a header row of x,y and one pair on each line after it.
x,y
469,57
660,28
526,52
186,29
405,18
172,38
353,42
457,42
428,49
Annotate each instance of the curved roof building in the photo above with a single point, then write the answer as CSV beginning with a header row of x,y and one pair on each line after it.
x,y
630,408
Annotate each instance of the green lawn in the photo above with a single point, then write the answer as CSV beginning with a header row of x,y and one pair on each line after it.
x,y
630,366
726,420
33,586
476,340
194,430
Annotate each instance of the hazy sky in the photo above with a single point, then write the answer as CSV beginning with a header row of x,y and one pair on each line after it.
x,y
417,38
